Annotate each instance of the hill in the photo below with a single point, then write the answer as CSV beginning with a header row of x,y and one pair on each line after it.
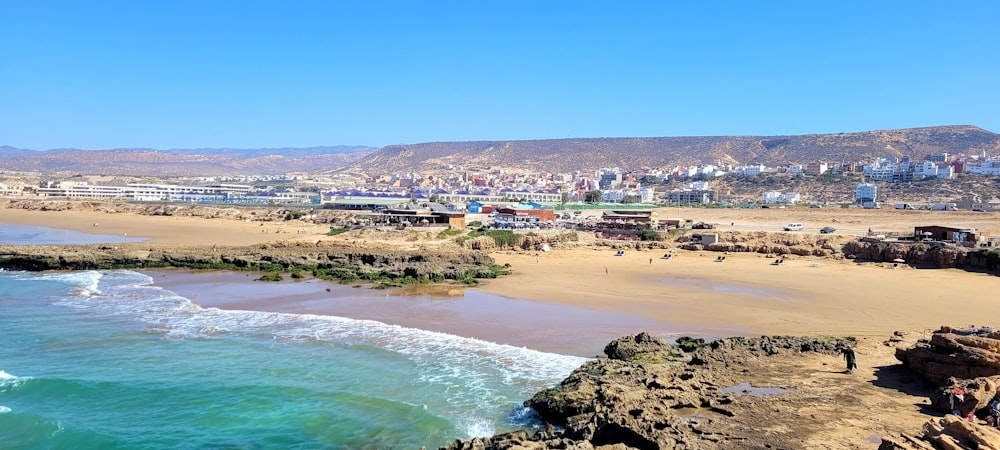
x,y
565,155
181,162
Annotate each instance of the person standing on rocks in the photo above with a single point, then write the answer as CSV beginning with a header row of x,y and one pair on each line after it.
x,y
852,362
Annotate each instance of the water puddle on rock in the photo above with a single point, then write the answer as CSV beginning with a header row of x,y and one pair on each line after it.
x,y
748,389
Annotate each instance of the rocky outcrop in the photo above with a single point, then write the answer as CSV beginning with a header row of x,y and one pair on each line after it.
x,y
927,254
935,254
949,355
947,433
966,367
648,394
282,256
770,243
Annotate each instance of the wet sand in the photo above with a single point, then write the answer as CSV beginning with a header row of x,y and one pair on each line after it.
x,y
544,326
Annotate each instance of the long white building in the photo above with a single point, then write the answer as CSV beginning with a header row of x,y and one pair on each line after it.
x,y
147,192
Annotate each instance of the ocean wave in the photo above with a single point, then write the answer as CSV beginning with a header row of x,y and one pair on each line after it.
x,y
132,293
10,382
469,370
4,409
86,283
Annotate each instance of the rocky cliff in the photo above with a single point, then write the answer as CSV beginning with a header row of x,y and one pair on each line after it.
x,y
933,254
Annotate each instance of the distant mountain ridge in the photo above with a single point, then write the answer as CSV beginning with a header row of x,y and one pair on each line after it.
x,y
565,155
552,155
181,162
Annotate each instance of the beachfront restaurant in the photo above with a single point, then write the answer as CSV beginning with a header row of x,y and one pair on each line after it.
x,y
429,215
948,234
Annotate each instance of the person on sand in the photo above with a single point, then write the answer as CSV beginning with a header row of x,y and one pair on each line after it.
x,y
852,362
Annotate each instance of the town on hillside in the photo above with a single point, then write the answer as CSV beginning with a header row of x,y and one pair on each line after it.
x,y
938,181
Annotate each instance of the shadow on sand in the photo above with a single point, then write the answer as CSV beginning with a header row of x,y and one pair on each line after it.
x,y
902,379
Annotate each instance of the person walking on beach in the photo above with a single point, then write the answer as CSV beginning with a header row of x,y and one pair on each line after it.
x,y
852,362
605,270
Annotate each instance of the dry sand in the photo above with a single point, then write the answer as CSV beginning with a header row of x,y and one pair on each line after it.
x,y
743,295
164,229
746,293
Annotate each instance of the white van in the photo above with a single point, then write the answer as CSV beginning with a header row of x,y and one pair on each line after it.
x,y
793,227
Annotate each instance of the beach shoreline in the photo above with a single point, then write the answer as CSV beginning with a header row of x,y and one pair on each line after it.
x,y
744,295
452,309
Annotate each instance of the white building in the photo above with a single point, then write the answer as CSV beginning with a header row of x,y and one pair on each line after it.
x,y
752,170
778,197
770,197
945,172
641,195
989,167
865,193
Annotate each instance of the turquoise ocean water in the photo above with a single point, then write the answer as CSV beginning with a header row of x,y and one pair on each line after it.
x,y
104,359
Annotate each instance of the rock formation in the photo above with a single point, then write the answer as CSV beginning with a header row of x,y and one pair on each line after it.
x,y
281,256
953,355
966,367
648,394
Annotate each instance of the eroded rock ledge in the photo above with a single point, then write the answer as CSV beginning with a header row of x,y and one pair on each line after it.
x,y
281,256
649,394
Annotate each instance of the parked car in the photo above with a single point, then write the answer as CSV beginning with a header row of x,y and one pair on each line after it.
x,y
827,230
795,226
702,226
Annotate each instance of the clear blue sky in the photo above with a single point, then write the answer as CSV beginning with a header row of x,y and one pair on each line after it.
x,y
202,73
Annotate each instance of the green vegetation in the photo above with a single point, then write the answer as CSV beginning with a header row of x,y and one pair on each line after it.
x,y
689,344
336,231
448,233
650,235
503,238
294,215
275,276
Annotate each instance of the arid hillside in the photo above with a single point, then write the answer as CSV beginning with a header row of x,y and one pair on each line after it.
x,y
563,155
185,162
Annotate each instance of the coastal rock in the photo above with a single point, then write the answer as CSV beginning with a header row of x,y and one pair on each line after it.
x,y
949,355
648,394
283,256
947,433
935,254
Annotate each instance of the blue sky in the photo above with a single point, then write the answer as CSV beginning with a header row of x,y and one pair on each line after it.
x,y
247,74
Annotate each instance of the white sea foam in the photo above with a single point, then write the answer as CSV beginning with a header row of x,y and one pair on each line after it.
x,y
468,370
86,282
9,381
476,427
4,409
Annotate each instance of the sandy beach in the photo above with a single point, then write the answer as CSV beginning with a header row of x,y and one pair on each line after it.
x,y
744,295
172,230
803,296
